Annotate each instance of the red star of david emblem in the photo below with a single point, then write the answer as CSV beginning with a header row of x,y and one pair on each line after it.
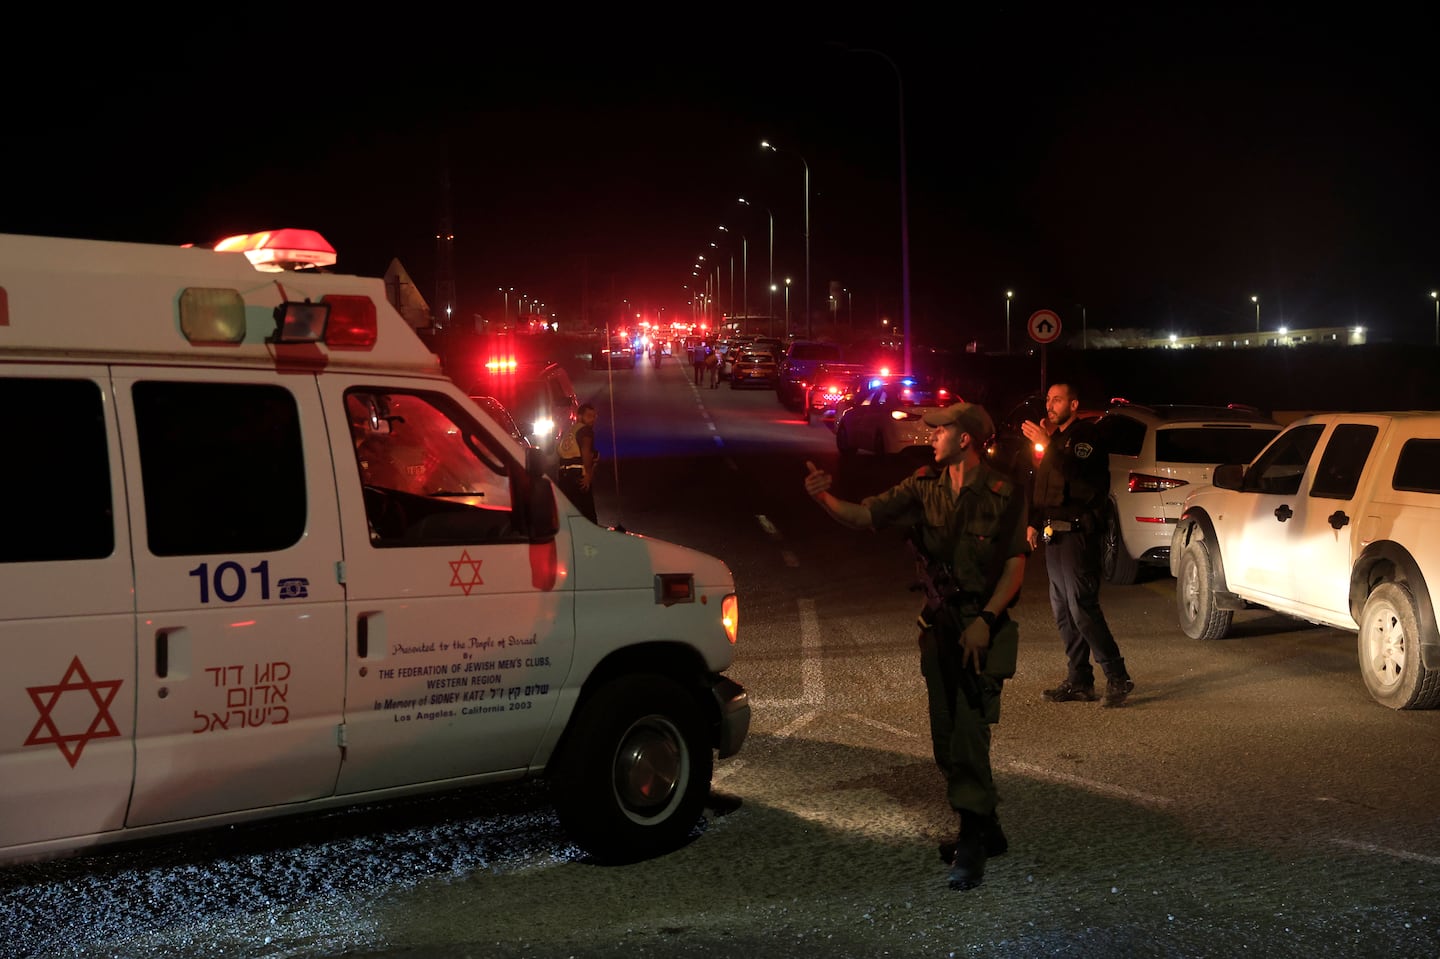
x,y
473,572
46,698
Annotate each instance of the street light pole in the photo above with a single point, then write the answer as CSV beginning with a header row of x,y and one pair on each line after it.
x,y
1008,295
770,277
766,145
1435,295
904,205
1256,301
787,306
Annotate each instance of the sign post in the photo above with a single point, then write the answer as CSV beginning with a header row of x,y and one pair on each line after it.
x,y
1044,328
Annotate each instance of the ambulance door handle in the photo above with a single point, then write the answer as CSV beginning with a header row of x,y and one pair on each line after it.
x,y
163,652
369,627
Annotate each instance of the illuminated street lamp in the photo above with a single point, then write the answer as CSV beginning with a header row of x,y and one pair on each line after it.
x,y
1435,295
1256,301
787,306
767,145
506,290
1008,295
772,311
769,277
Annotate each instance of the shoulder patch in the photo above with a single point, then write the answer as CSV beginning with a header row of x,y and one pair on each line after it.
x,y
924,472
1002,486
1083,450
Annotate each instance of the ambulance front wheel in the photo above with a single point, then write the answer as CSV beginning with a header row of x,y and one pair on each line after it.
x,y
634,772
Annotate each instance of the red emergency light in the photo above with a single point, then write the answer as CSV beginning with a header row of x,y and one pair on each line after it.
x,y
275,251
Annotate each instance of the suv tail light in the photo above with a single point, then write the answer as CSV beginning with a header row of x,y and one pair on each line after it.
x,y
1144,483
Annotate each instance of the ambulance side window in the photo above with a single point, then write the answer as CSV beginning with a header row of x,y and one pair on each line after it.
x,y
431,475
222,467
56,480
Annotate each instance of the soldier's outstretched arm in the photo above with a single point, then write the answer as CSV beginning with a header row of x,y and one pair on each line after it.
x,y
817,485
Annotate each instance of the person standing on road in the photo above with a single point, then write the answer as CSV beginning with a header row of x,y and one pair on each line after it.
x,y
1072,489
967,532
697,359
577,461
712,364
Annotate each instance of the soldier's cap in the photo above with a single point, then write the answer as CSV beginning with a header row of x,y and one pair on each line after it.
x,y
970,417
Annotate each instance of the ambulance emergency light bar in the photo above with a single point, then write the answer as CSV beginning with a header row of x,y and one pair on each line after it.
x,y
276,251
217,316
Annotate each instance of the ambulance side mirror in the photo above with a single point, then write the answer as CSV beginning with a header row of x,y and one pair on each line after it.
x,y
542,513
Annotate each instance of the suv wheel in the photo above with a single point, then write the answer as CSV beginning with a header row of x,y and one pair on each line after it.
x,y
1116,564
1200,617
1389,649
632,780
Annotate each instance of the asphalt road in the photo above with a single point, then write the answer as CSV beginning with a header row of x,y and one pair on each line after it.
x,y
1250,799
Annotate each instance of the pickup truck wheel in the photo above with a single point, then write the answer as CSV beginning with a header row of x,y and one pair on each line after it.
x,y
1116,564
1200,617
632,778
1389,648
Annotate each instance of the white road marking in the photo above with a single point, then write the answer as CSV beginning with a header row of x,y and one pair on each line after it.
x,y
1393,853
768,527
1052,776
795,725
812,679
886,727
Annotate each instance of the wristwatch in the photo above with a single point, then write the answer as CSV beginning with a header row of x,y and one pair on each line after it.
x,y
989,618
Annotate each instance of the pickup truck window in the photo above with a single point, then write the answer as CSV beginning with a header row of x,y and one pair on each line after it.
x,y
1343,460
1280,468
1418,468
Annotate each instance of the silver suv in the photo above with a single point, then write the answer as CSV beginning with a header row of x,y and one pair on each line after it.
x,y
1157,453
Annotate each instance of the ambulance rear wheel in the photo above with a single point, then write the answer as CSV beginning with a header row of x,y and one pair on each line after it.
x,y
633,775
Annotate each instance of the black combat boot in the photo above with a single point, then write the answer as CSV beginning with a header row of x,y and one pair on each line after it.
x,y
996,845
968,868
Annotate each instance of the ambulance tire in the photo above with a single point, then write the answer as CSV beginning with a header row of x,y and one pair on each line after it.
x,y
634,771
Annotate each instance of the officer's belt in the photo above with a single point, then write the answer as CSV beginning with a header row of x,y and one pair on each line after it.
x,y
1060,525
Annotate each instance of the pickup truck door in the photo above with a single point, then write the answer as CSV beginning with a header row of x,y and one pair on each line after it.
x,y
1322,534
1255,536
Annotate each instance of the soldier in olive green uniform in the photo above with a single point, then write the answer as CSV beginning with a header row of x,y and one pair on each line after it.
x,y
967,528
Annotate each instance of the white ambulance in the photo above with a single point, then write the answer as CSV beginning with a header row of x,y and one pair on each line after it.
x,y
261,557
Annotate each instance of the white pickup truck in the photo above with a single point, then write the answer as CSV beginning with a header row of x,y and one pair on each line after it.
x,y
1337,522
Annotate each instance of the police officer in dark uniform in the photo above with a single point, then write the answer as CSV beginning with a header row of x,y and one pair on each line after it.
x,y
1072,488
967,530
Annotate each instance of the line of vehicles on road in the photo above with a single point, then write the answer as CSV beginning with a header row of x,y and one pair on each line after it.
x,y
1331,519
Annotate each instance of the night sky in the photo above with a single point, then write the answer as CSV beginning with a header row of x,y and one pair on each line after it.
x,y
1159,169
